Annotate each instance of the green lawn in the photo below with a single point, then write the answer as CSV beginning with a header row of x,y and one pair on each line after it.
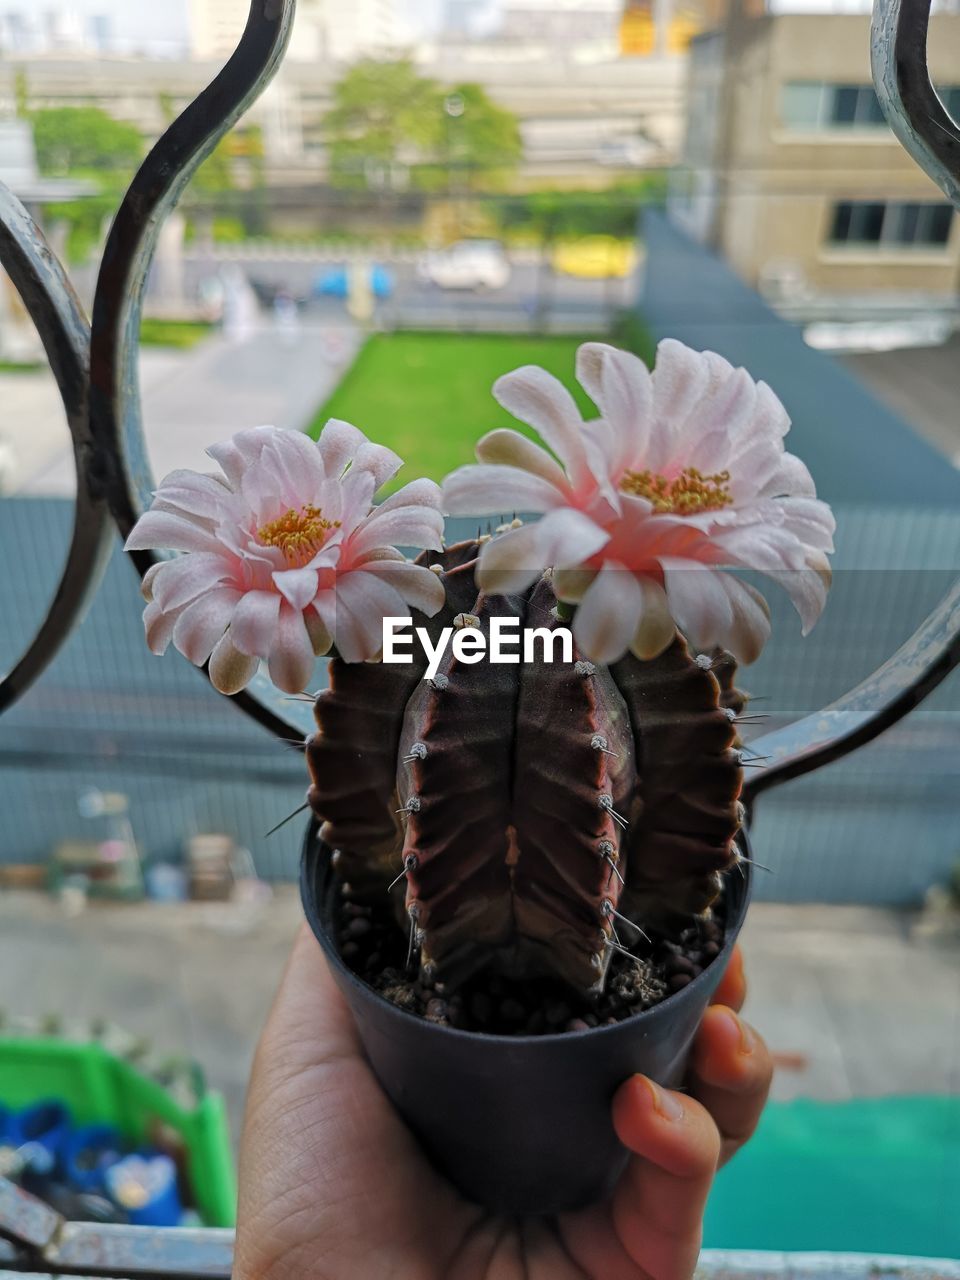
x,y
157,332
427,395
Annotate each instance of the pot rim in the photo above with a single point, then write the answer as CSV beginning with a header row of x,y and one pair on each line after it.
x,y
308,866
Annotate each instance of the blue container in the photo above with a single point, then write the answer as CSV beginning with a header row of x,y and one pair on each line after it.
x,y
88,1153
144,1186
40,1132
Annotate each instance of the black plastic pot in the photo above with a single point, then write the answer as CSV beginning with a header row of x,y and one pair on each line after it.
x,y
520,1124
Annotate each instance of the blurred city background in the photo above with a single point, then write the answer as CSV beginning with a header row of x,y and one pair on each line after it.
x,y
425,196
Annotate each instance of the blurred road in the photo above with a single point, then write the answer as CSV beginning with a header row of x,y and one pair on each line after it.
x,y
190,398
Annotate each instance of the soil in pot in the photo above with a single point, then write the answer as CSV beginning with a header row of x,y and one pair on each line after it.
x,y
373,947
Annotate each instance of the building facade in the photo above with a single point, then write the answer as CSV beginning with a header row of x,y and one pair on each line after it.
x,y
790,171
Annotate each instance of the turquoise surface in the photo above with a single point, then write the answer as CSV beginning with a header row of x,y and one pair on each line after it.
x,y
879,1175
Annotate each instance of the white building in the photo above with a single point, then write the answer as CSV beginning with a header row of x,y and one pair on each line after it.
x,y
327,29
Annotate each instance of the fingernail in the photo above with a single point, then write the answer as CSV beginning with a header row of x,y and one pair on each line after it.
x,y
665,1103
748,1041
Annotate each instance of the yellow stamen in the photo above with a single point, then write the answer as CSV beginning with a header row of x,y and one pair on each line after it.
x,y
684,495
298,534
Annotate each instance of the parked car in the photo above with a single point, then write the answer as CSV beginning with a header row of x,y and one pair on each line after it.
x,y
595,258
334,282
467,264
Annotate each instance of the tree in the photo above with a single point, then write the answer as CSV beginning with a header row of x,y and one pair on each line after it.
x,y
384,118
85,140
389,126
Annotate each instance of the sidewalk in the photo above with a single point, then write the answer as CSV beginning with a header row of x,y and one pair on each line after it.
x,y
190,399
849,1002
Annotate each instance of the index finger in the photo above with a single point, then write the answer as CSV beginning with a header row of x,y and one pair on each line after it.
x,y
732,990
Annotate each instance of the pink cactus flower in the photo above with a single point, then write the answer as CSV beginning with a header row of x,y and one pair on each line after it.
x,y
286,555
683,475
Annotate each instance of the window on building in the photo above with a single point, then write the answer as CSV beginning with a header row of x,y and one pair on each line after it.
x,y
893,222
814,105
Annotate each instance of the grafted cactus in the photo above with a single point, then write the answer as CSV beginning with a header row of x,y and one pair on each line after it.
x,y
529,815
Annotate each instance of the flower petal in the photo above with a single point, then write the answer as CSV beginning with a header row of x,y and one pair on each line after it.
x,y
698,602
623,390
176,582
607,617
656,628
236,454
382,463
291,659
419,587
230,670
567,538
202,623
297,586
543,402
510,562
362,602
509,448
495,490
750,629
166,530
158,628
254,624
414,526
337,443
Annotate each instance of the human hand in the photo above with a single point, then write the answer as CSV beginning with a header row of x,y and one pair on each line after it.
x,y
334,1187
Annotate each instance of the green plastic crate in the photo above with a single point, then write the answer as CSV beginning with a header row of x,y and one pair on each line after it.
x,y
98,1087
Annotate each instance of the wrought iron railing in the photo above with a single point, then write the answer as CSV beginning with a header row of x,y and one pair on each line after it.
x,y
95,366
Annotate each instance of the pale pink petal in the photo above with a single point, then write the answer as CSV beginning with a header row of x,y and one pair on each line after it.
x,y
356,495
570,585
608,615
191,493
790,479
202,623
807,588
750,628
811,520
298,463
363,601
656,628
543,402
158,628
320,637
509,448
297,586
510,562
291,659
698,601
169,531
146,586
497,490
230,671
420,587
254,624
240,451
680,377
397,527
418,493
381,462
623,390
566,538
177,582
337,443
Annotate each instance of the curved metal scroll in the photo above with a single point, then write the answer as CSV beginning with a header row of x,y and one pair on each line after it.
x,y
120,450
909,101
874,705
56,312
121,460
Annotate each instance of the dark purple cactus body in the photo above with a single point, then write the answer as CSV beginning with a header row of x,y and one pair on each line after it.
x,y
528,810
